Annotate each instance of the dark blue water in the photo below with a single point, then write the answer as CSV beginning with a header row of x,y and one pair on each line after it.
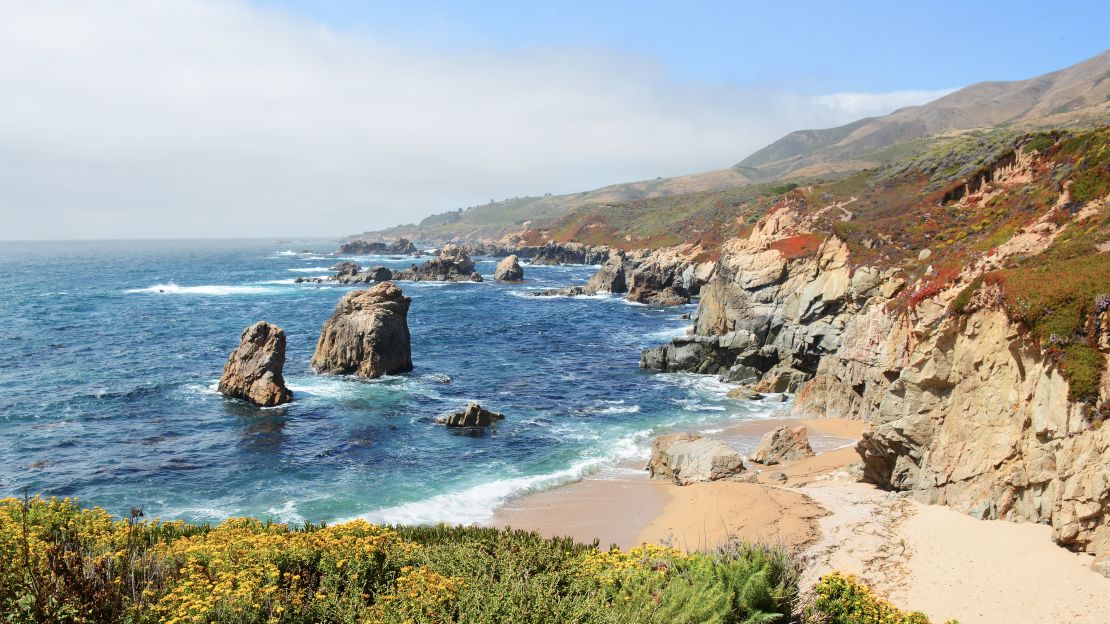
x,y
110,353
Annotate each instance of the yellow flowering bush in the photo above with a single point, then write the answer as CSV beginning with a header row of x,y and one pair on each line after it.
x,y
843,599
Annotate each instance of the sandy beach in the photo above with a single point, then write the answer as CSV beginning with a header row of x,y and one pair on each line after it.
x,y
922,557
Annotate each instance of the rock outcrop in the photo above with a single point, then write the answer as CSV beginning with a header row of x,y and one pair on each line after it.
x,y
254,369
473,416
508,270
563,291
783,444
367,336
686,458
400,247
350,273
566,253
452,264
610,277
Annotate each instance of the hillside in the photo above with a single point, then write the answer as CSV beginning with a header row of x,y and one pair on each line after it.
x,y
1067,96
1075,97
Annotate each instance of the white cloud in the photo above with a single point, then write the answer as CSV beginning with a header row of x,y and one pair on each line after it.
x,y
213,118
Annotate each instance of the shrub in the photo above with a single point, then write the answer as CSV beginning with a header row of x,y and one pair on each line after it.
x,y
61,563
840,599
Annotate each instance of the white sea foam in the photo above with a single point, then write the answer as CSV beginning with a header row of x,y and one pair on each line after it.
x,y
287,513
315,269
478,503
208,289
287,252
290,280
665,335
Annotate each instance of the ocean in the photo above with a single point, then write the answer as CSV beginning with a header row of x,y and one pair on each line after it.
x,y
110,353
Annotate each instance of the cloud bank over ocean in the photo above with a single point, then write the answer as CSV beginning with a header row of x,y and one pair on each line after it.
x,y
188,119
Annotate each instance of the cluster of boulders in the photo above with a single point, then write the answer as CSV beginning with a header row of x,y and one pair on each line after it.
x,y
360,247
453,264
685,458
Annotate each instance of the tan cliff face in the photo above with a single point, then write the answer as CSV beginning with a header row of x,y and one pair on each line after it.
x,y
965,410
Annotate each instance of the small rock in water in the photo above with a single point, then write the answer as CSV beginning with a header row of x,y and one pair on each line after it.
x,y
508,270
473,416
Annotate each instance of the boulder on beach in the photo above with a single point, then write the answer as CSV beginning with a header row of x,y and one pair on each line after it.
x,y
253,370
508,270
473,416
686,458
452,264
367,336
783,444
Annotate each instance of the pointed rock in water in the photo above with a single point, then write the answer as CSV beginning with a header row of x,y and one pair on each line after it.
x,y
473,416
367,336
783,444
686,458
508,270
253,370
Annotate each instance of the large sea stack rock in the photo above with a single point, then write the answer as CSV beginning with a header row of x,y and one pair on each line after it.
x,y
253,370
473,416
508,270
452,264
686,458
368,336
783,444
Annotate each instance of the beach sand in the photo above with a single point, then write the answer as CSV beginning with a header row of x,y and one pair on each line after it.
x,y
928,558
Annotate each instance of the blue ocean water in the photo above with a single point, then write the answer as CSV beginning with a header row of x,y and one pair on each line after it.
x,y
110,352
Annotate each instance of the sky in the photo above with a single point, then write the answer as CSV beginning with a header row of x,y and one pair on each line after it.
x,y
231,118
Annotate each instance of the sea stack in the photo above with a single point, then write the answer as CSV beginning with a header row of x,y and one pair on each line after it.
x,y
367,336
253,370
452,264
473,416
508,270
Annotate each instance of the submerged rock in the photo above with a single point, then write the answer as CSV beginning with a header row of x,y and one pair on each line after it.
x,y
508,270
473,416
367,336
783,444
452,264
253,370
686,458
565,291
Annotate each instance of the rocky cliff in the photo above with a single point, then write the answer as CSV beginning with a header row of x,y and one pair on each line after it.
x,y
977,352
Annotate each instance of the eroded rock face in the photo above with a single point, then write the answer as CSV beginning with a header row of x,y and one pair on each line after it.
x,y
686,458
610,277
254,369
473,416
367,336
508,270
783,444
452,264
350,273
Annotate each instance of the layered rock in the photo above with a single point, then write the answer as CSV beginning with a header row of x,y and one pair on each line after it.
x,y
401,247
453,264
610,277
473,416
783,444
508,270
367,336
254,369
686,458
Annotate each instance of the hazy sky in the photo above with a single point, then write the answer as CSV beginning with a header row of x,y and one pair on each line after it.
x,y
197,118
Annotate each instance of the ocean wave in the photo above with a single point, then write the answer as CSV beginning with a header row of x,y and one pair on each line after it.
x,y
309,269
290,280
287,252
477,504
665,335
208,289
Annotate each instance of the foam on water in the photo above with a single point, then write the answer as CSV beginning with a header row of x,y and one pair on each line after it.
x,y
208,290
313,269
